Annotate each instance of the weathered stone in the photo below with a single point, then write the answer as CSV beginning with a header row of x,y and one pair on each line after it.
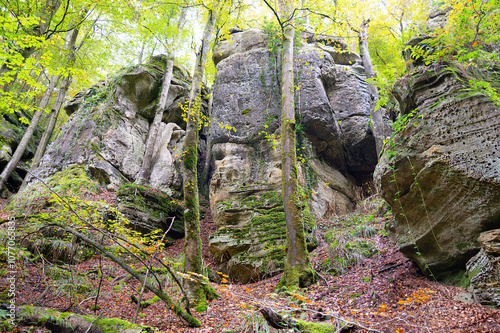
x,y
150,209
239,42
136,92
490,242
437,20
335,42
442,173
251,235
109,128
484,270
341,57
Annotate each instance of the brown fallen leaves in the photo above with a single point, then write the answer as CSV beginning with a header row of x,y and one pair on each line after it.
x,y
373,296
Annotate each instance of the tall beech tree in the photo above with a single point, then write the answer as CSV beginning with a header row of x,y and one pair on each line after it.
x,y
70,52
193,260
298,269
16,157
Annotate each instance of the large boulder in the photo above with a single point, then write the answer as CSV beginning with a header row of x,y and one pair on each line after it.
x,y
245,185
441,172
109,125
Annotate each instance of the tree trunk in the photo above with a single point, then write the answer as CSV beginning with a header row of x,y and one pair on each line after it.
x,y
16,157
44,141
75,323
54,113
145,172
376,115
193,261
298,269
208,154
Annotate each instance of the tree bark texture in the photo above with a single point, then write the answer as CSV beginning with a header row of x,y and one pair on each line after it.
x,y
192,245
376,115
298,269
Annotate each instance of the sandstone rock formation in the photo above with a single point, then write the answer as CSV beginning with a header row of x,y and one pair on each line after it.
x,y
484,270
150,209
441,173
109,124
336,147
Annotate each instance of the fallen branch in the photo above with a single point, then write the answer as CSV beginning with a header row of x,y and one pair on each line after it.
x,y
192,321
277,321
393,266
184,314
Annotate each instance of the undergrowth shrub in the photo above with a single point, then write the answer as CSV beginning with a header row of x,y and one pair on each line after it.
x,y
348,237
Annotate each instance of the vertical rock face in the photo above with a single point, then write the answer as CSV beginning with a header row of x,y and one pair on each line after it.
x,y
108,128
484,269
441,174
335,147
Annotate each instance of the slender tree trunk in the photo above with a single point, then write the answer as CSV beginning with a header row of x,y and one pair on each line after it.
x,y
298,269
54,113
208,155
16,157
145,172
141,54
376,115
193,261
44,141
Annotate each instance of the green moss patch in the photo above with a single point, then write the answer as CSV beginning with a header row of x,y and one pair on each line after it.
x,y
72,182
258,247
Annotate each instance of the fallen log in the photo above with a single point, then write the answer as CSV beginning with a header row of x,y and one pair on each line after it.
x,y
66,322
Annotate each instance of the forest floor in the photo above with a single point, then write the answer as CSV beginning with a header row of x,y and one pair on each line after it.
x,y
384,293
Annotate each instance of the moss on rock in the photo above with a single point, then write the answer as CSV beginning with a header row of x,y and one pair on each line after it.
x,y
256,248
150,209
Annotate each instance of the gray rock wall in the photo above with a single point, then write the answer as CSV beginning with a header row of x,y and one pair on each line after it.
x,y
335,147
441,175
108,128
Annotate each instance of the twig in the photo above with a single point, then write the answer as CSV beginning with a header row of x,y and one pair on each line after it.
x,y
323,278
393,266
148,269
92,323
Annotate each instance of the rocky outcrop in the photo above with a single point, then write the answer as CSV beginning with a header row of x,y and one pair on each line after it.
x,y
441,172
484,270
108,128
336,146
150,209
